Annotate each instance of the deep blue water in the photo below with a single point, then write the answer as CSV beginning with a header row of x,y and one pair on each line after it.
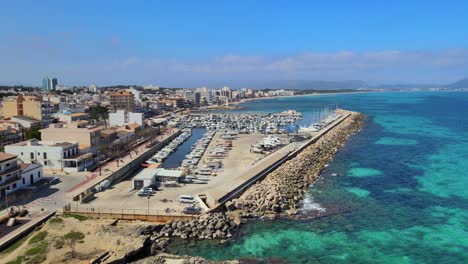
x,y
401,194
174,160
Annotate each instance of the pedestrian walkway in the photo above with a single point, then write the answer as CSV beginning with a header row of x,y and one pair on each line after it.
x,y
44,200
9,238
93,176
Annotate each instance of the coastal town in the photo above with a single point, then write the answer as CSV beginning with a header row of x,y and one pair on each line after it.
x,y
233,132
153,155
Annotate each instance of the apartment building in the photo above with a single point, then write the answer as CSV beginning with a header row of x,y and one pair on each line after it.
x,y
122,100
31,106
63,156
15,175
9,135
76,132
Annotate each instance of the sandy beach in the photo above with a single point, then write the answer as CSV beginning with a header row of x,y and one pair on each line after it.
x,y
245,100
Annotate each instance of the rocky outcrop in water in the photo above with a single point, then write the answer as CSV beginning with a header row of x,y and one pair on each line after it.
x,y
282,190
208,226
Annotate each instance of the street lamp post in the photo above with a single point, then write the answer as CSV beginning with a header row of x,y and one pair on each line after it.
x,y
6,197
148,198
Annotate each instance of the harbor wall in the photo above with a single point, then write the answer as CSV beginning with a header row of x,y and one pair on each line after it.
x,y
281,191
238,191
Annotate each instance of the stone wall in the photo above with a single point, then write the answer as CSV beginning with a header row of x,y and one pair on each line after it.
x,y
282,190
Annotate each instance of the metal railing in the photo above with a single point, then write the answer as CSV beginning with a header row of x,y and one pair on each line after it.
x,y
127,214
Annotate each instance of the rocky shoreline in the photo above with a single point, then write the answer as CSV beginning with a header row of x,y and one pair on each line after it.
x,y
279,194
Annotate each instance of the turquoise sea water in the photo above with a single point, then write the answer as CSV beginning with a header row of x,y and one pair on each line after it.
x,y
400,194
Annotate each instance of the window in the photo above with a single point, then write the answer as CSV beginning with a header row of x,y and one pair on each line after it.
x,y
24,181
45,163
14,185
8,164
21,153
32,155
45,155
8,175
8,188
38,174
1,178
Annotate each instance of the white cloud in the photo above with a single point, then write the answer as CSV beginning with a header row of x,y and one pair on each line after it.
x,y
34,57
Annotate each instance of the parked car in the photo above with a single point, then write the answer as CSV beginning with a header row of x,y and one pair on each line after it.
x,y
192,210
187,199
150,189
144,192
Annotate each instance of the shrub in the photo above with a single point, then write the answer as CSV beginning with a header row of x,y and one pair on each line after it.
x,y
56,220
59,243
77,217
37,259
38,237
40,248
18,260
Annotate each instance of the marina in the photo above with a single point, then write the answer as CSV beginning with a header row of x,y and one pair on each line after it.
x,y
170,148
211,163
174,160
243,123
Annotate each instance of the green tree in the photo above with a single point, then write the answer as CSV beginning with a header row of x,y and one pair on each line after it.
x,y
31,133
71,239
98,113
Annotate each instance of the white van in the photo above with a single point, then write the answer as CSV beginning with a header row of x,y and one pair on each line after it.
x,y
187,199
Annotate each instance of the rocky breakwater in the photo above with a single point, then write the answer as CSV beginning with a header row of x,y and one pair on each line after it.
x,y
282,190
207,226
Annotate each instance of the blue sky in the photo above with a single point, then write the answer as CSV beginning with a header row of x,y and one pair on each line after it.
x,y
196,43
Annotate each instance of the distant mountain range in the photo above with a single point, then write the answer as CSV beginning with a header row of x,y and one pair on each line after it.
x,y
352,84
460,84
313,84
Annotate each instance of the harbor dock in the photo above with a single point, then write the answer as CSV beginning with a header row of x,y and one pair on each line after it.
x,y
241,167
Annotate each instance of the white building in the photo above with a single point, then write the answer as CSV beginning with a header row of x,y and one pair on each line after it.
x,y
93,88
62,156
14,176
120,118
136,94
205,94
144,178
26,121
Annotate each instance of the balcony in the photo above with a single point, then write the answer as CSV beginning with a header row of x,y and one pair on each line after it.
x,y
10,180
9,170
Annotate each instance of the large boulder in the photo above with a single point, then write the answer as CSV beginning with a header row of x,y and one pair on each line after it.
x,y
230,206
